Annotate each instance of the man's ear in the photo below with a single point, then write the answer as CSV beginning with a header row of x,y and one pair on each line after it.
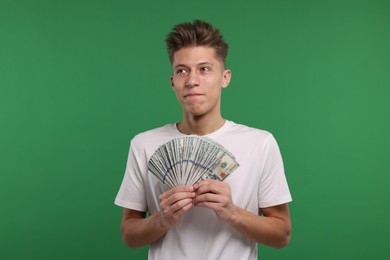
x,y
172,84
227,75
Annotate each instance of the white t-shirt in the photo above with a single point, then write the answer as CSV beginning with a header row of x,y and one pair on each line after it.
x,y
258,182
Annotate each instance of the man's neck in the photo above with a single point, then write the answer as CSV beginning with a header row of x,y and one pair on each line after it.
x,y
200,125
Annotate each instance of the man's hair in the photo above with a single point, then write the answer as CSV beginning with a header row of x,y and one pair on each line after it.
x,y
197,33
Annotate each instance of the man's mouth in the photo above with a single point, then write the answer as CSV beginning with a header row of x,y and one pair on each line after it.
x,y
193,95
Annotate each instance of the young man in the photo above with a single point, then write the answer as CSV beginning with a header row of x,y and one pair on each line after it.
x,y
210,219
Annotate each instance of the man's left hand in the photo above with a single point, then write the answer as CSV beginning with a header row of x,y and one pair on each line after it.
x,y
215,195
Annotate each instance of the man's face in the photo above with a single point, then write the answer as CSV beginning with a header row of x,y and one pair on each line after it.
x,y
198,78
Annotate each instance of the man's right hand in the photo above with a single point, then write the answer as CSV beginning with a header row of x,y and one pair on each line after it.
x,y
174,203
137,230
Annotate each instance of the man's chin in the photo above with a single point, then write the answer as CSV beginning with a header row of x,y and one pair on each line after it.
x,y
195,113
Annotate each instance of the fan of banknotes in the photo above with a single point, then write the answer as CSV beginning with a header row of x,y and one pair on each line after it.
x,y
189,159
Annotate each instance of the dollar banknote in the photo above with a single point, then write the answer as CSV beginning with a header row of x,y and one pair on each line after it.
x,y
190,159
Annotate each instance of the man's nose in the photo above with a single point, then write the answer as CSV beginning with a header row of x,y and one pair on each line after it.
x,y
192,79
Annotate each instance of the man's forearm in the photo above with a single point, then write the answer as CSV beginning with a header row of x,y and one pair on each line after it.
x,y
267,230
137,232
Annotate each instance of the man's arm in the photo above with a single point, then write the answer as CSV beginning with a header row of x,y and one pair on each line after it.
x,y
272,228
137,230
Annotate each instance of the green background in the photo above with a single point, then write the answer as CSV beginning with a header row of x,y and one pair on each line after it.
x,y
78,79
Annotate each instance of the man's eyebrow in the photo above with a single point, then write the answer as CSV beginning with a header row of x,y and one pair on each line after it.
x,y
180,65
205,63
199,64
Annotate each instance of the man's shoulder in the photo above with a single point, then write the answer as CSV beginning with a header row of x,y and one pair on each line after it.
x,y
246,130
155,135
249,136
165,129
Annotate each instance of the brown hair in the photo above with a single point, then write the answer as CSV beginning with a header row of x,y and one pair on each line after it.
x,y
197,33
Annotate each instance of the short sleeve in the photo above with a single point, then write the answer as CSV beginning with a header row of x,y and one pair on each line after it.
x,y
273,189
132,193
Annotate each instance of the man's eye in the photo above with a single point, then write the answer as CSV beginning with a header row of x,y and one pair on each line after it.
x,y
205,69
181,71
